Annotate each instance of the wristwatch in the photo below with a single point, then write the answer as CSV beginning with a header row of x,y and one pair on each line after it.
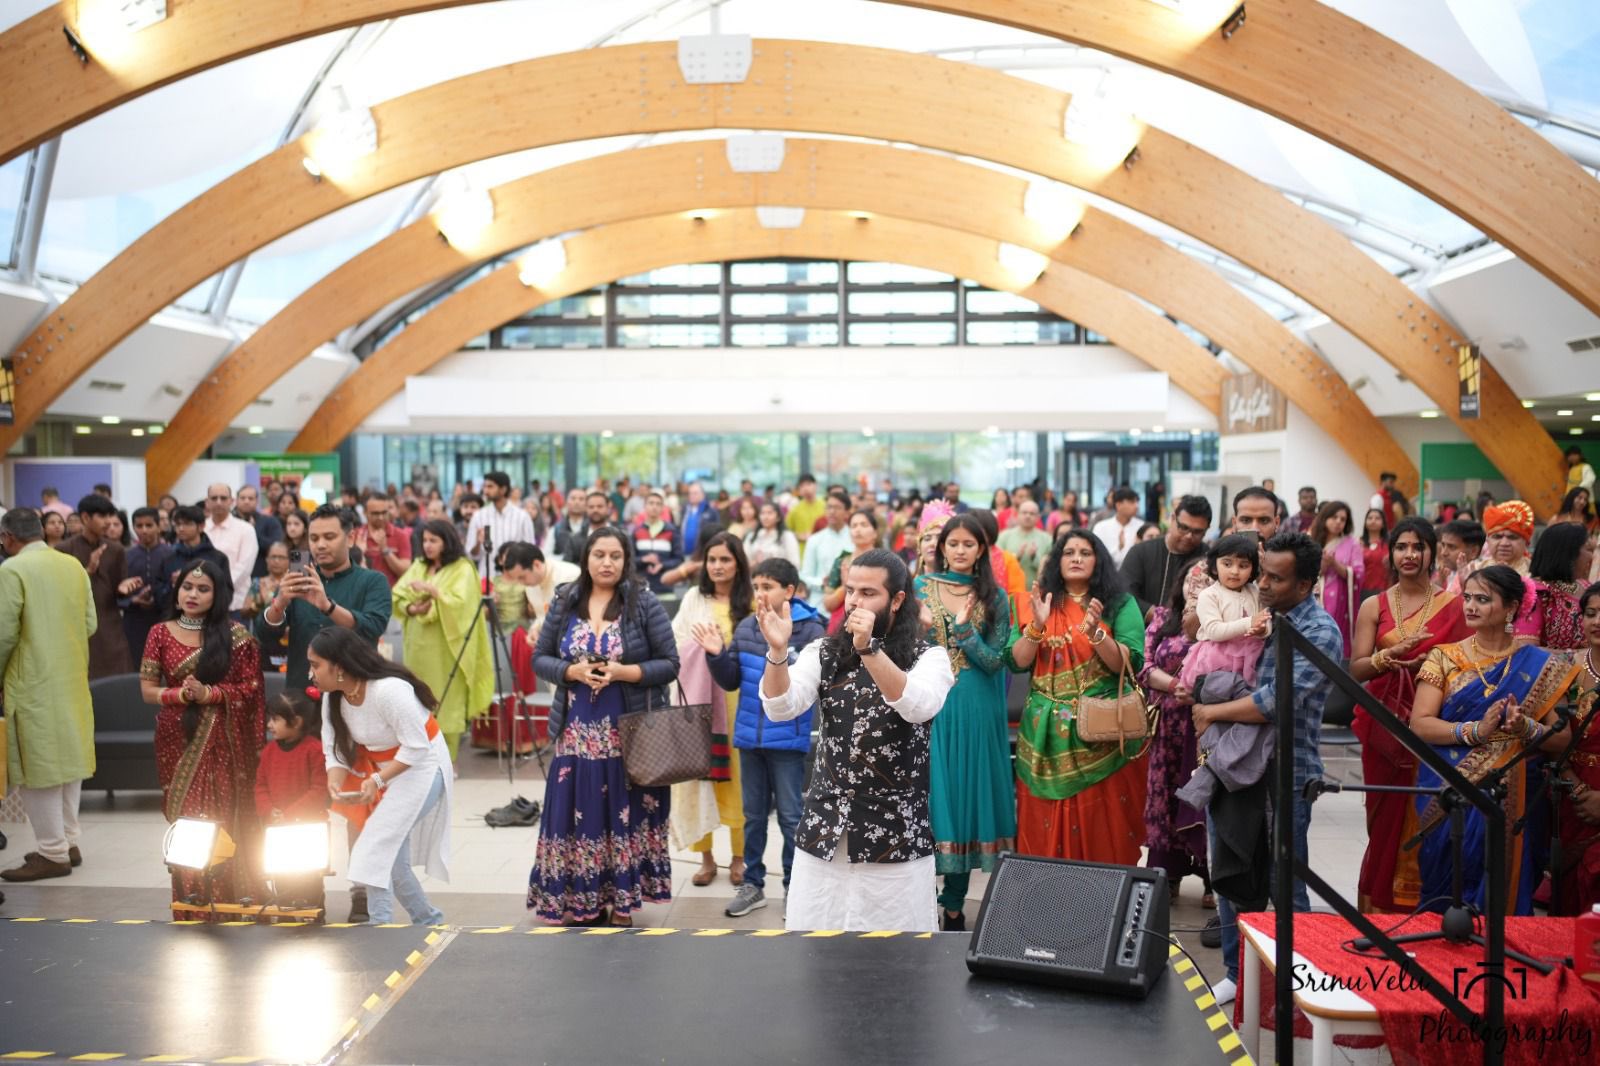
x,y
874,646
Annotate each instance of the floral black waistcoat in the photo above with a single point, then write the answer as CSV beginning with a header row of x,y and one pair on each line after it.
x,y
871,774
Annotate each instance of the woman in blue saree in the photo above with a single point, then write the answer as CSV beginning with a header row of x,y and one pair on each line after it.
x,y
1479,703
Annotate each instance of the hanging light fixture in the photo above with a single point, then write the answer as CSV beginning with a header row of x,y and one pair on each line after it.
x,y
1023,264
542,264
344,136
464,213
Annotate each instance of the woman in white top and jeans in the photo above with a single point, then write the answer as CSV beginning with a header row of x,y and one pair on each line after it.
x,y
383,743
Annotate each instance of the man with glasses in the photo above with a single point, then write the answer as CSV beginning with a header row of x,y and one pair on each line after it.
x,y
268,529
1153,568
234,538
385,546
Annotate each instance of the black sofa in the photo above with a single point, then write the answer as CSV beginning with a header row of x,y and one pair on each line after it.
x,y
124,736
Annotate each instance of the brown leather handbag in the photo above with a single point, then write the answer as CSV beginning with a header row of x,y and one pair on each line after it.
x,y
666,745
1114,720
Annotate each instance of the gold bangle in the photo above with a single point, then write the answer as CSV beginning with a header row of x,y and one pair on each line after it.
x,y
1032,632
1099,637
1380,661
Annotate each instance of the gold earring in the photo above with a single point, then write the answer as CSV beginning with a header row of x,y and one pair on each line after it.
x,y
341,677
1510,626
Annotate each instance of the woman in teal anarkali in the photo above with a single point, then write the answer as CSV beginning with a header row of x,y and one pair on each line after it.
x,y
972,805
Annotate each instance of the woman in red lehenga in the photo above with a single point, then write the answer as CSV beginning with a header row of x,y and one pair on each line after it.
x,y
204,672
1576,862
1394,633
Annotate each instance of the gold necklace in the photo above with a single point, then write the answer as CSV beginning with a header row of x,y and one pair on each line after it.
x,y
1488,689
1397,608
1588,664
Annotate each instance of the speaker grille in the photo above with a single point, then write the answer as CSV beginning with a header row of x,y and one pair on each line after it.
x,y
1048,912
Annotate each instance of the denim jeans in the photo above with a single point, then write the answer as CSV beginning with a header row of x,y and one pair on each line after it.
x,y
1229,917
403,883
766,774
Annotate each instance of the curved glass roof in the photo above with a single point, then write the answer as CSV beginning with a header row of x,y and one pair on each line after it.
x,y
120,173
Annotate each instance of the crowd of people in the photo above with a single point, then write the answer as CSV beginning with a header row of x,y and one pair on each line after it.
x,y
879,632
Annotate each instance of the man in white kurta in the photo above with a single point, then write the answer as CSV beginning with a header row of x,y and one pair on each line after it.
x,y
864,847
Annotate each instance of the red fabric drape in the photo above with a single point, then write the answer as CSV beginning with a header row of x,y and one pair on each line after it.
x,y
1555,1022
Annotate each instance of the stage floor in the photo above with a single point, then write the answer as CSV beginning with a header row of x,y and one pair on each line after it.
x,y
173,992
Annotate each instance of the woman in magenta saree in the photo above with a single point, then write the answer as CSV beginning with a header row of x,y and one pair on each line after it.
x,y
204,672
1479,703
1395,631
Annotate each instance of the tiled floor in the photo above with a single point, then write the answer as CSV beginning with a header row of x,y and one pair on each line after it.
x,y
122,876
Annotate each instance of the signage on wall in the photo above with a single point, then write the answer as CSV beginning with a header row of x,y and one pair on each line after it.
x,y
1252,404
8,394
1469,364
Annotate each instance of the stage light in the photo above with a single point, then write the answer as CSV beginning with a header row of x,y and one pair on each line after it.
x,y
1054,208
296,849
110,420
196,845
542,263
464,213
344,136
1108,134
780,217
1023,264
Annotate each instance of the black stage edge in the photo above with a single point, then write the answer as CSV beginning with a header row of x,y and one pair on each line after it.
x,y
181,992
265,994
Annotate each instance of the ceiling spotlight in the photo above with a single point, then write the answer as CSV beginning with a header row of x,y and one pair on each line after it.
x,y
542,263
1107,132
1574,432
1592,397
82,431
699,215
1527,404
607,434
341,138
155,431
1427,414
1135,432
1023,264
861,216
1158,429
135,432
110,420
1565,412
464,213
1053,207
1594,418
868,431
255,431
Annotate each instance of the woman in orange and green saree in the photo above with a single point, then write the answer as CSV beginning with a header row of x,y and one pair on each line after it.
x,y
1479,703
1078,800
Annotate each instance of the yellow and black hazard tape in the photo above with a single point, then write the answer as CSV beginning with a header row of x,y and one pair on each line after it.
x,y
1216,1020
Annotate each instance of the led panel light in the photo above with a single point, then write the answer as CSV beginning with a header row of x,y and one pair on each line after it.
x,y
714,58
755,153
1023,264
464,213
1053,207
196,844
296,849
542,264
780,217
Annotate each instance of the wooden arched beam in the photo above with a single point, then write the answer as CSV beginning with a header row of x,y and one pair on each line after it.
x,y
609,252
798,86
838,175
1300,60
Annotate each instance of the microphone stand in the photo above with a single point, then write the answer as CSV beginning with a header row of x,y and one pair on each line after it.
x,y
1554,783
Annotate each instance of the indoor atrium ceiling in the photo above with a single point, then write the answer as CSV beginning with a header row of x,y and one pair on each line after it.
x,y
120,173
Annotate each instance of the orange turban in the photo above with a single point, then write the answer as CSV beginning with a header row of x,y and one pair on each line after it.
x,y
1513,516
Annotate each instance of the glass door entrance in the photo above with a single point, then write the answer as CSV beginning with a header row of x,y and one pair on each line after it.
x,y
471,468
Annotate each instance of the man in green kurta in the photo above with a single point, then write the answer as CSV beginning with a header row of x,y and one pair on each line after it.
x,y
47,616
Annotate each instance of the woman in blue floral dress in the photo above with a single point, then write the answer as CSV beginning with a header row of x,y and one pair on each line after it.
x,y
607,646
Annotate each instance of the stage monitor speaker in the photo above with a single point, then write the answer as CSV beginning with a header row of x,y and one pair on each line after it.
x,y
1083,925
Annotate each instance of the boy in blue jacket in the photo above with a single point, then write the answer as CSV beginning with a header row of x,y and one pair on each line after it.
x,y
771,754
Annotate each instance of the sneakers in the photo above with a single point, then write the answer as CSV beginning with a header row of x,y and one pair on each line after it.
x,y
358,907
1224,990
36,867
1211,935
74,856
518,812
748,898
